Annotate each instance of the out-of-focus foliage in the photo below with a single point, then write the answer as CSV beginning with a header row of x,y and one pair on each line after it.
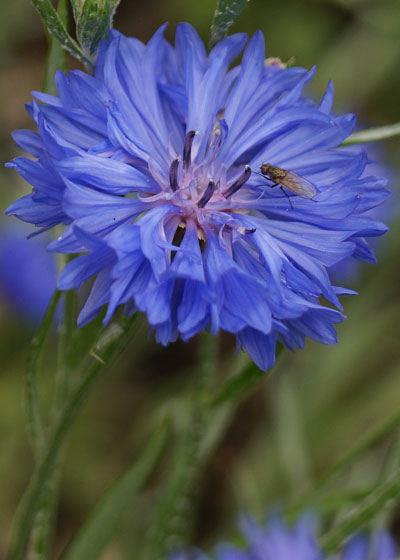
x,y
318,402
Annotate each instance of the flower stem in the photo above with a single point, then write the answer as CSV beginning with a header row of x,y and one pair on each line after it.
x,y
57,56
171,520
35,423
42,535
112,341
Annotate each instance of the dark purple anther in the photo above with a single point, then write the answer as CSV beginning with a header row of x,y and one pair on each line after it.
x,y
207,195
238,183
187,148
173,174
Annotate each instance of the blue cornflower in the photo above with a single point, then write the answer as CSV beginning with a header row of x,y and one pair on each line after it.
x,y
151,164
28,274
275,541
380,547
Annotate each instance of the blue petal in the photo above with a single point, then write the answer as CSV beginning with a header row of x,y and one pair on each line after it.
x,y
29,141
81,268
106,174
260,347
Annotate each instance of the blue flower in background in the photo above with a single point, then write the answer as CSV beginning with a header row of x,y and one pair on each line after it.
x,y
380,547
152,165
28,273
275,541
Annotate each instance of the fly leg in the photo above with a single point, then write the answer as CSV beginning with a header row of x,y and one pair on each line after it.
x,y
284,192
287,196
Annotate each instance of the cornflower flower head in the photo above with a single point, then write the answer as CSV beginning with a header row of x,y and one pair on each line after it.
x,y
275,541
153,163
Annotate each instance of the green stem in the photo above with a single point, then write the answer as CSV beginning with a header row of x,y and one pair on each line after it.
x,y
35,423
63,373
57,56
42,535
112,342
44,525
171,520
368,441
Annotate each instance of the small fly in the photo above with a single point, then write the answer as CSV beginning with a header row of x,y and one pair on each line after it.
x,y
290,181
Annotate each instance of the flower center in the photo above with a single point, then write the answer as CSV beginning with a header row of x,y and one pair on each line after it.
x,y
200,184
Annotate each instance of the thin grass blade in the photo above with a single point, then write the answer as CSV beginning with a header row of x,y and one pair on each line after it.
x,y
105,519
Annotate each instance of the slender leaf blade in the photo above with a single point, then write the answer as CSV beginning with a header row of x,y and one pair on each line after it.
x,y
105,518
225,15
362,514
369,440
239,386
373,134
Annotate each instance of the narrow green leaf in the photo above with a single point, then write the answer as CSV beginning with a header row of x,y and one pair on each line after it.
x,y
225,15
93,23
376,435
291,437
56,27
373,134
362,514
31,502
240,385
105,518
32,399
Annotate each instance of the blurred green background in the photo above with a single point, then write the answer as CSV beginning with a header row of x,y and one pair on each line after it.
x,y
318,402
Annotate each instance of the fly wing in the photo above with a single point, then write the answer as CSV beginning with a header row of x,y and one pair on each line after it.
x,y
299,185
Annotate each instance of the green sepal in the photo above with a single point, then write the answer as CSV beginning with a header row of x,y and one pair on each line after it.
x,y
93,22
77,6
225,15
